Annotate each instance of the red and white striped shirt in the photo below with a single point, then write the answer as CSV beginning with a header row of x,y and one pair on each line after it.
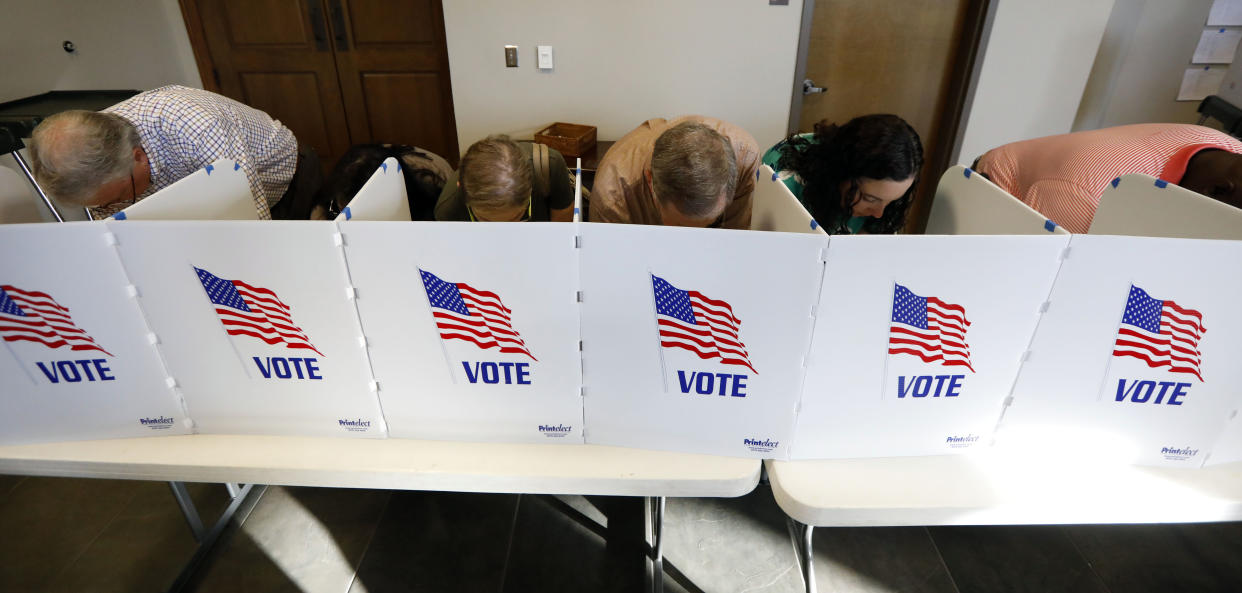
x,y
1064,176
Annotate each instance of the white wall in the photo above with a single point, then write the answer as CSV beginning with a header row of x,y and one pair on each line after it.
x,y
619,63
1146,48
1035,66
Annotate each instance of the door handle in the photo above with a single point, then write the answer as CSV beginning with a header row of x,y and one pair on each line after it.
x,y
338,26
318,28
809,88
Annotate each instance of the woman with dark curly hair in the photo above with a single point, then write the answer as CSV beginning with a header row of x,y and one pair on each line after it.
x,y
859,177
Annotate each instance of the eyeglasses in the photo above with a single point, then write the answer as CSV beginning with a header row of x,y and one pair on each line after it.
x,y
530,207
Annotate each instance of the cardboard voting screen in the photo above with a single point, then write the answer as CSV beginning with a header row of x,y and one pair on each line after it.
x,y
776,209
917,342
1143,206
968,204
472,328
382,197
76,362
256,323
218,191
1136,357
693,339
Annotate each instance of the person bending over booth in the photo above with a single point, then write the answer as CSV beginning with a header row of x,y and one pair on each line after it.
x,y
690,171
500,180
855,178
1064,176
106,160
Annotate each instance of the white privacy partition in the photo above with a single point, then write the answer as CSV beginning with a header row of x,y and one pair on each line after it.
x,y
257,324
968,204
382,197
218,191
1136,358
1143,206
477,342
776,209
76,362
918,340
693,339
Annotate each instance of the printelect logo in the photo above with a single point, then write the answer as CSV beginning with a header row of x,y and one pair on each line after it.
x,y
358,425
958,442
764,445
1178,453
160,423
551,431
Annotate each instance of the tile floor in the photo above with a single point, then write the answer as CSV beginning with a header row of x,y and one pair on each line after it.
x,y
110,536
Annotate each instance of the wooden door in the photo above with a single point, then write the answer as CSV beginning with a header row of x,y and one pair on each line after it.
x,y
275,55
907,57
393,65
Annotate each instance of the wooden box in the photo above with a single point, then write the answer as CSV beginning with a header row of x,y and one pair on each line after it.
x,y
571,140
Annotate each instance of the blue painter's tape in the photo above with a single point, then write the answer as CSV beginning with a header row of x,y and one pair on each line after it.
x,y
774,175
1206,67
756,175
119,216
1222,29
1116,181
209,168
814,225
575,211
967,172
1050,226
236,166
1162,183
384,166
347,213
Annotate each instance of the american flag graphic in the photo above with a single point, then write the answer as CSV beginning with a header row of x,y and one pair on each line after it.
x,y
463,312
707,327
31,316
1160,333
246,310
929,328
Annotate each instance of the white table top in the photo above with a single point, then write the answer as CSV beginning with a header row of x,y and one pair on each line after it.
x,y
392,464
993,489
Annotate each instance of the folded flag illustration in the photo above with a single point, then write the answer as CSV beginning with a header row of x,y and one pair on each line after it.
x,y
929,328
247,310
1160,333
463,312
689,320
32,316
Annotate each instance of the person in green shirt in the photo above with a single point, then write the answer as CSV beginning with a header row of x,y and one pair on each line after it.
x,y
498,182
856,178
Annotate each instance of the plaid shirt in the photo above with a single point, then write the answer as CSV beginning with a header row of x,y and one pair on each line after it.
x,y
184,129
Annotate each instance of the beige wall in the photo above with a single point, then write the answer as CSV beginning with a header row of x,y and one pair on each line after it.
x,y
621,62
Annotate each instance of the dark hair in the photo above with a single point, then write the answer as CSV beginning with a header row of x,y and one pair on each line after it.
x,y
878,146
692,165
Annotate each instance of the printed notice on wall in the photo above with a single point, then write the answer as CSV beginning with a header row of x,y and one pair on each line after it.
x,y
1225,13
1199,82
1217,46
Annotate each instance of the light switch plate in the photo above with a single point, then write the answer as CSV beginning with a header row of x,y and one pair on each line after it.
x,y
511,55
543,54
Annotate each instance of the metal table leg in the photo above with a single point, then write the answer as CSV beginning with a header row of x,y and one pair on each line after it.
x,y
656,506
187,508
21,162
801,536
240,493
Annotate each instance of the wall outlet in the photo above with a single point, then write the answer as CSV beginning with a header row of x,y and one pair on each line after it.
x,y
511,56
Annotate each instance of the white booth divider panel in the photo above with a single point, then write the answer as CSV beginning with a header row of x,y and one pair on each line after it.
x,y
774,207
1136,357
256,323
218,191
472,328
1228,448
77,363
918,340
733,310
382,197
968,204
1141,205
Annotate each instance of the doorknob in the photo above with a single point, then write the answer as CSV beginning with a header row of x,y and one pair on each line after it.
x,y
809,88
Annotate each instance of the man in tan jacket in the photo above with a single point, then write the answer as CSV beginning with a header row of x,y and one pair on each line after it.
x,y
690,171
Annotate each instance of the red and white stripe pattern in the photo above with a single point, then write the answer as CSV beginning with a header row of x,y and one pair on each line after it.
x,y
247,310
463,312
1160,333
929,328
32,316
689,320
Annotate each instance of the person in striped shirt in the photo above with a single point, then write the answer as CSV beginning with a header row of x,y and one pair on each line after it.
x,y
1064,176
106,160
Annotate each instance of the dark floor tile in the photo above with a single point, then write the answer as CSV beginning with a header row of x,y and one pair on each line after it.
x,y
878,560
1029,559
297,539
439,541
7,484
47,523
1151,558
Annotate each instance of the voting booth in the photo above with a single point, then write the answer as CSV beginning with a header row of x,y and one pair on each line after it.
x,y
774,207
218,191
968,204
382,197
1141,205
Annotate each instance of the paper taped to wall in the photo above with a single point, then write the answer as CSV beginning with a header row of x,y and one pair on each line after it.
x,y
1217,46
1198,83
1226,13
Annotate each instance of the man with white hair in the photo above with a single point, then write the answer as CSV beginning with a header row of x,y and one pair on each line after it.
x,y
109,159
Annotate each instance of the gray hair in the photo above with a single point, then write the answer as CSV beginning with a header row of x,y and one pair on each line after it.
x,y
74,152
692,165
495,174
